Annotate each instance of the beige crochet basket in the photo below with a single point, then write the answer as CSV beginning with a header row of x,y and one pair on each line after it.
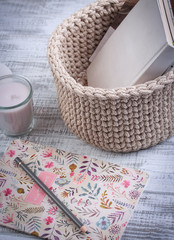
x,y
120,120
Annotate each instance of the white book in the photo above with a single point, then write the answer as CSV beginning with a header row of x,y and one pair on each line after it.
x,y
140,49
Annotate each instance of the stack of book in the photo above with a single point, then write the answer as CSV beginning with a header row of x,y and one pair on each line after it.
x,y
140,49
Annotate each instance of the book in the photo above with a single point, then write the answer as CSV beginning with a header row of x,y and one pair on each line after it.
x,y
139,50
101,194
167,11
121,14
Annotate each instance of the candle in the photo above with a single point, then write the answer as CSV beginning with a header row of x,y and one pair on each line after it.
x,y
16,105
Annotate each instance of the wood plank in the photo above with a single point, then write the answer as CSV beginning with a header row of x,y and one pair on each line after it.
x,y
25,30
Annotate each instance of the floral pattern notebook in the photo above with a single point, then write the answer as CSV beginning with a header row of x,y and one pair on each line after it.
x,y
101,194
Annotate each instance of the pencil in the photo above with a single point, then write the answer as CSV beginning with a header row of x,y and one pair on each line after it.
x,y
51,195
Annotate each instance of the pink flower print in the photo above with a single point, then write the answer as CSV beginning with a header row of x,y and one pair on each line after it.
x,y
49,165
48,220
11,153
1,205
80,178
84,156
48,154
8,219
53,210
124,224
7,192
115,229
71,174
126,183
134,194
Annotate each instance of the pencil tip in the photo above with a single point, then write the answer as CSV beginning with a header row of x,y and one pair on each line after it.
x,y
84,229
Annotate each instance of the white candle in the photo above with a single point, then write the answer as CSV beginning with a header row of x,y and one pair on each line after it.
x,y
16,105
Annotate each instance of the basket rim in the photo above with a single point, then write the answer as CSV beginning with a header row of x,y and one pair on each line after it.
x,y
59,34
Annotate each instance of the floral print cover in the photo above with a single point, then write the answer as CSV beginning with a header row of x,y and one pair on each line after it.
x,y
102,194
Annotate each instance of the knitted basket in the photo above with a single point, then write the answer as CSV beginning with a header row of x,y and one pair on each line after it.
x,y
120,120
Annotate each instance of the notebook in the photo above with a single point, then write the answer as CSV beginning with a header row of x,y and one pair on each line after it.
x,y
101,194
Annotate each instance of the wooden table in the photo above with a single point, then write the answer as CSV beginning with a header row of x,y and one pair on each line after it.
x,y
25,28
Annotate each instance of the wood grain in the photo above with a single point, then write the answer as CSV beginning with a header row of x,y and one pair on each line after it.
x,y
25,28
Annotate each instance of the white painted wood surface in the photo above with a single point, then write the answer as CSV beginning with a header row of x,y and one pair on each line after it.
x,y
25,28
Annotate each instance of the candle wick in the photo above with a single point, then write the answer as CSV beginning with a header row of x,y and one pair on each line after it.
x,y
14,97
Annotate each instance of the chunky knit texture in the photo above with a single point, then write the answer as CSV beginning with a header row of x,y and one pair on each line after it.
x,y
120,120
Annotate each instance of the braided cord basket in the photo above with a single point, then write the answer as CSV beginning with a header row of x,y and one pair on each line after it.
x,y
120,120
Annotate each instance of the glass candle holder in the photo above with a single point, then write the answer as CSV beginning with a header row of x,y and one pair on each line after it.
x,y
16,105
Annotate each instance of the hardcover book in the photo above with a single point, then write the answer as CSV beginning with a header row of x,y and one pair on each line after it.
x,y
101,194
140,49
122,13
